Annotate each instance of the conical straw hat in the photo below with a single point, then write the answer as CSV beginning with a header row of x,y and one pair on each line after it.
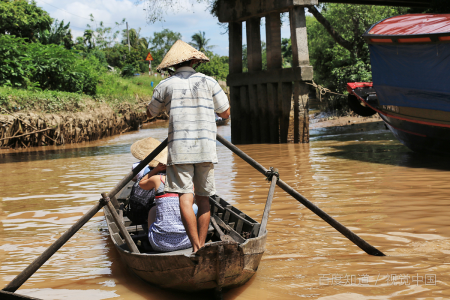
x,y
142,148
181,52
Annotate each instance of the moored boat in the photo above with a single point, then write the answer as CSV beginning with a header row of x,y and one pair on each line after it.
x,y
229,259
410,58
220,121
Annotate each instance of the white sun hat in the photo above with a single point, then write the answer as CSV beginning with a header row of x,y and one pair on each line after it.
x,y
142,148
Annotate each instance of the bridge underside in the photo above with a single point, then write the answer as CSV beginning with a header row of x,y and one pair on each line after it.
x,y
271,106
407,3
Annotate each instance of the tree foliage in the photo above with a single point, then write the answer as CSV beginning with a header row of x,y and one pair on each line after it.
x,y
58,34
50,67
216,67
161,43
436,7
200,42
23,19
156,9
136,41
334,65
286,52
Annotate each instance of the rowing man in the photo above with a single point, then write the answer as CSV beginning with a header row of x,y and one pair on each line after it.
x,y
191,99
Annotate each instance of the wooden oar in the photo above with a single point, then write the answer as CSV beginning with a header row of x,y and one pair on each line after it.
x,y
369,249
38,262
223,237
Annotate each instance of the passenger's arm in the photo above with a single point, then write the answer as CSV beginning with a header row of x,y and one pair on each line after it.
x,y
150,181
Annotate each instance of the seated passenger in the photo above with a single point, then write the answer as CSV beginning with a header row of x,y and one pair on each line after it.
x,y
140,200
166,231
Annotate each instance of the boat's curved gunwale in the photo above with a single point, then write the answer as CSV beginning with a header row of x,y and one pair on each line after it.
x,y
411,119
195,271
171,254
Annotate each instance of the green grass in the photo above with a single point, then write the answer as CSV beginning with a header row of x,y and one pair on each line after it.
x,y
111,89
14,99
112,86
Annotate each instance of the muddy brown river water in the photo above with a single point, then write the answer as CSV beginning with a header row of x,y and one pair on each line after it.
x,y
361,175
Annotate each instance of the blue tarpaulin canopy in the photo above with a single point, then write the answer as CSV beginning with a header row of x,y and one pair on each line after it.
x,y
410,58
415,75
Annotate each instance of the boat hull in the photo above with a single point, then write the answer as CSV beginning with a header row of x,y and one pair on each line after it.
x,y
421,130
220,264
420,138
198,272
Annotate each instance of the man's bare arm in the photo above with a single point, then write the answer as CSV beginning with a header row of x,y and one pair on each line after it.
x,y
149,114
225,114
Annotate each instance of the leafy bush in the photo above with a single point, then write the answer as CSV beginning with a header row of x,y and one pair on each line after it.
x,y
99,55
143,66
23,18
16,63
216,67
49,67
128,71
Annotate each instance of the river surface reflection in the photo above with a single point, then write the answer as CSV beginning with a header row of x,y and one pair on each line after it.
x,y
396,200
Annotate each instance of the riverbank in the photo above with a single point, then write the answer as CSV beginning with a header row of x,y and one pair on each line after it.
x,y
316,121
30,118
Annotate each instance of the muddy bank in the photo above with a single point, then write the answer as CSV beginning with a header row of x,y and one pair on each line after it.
x,y
31,129
318,121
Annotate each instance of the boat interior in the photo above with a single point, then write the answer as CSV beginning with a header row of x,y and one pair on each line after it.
x,y
227,224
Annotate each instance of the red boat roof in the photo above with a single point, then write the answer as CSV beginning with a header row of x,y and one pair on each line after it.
x,y
413,24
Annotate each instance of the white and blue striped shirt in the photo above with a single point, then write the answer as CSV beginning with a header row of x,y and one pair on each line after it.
x,y
190,99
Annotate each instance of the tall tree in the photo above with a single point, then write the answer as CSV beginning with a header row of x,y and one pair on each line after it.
x,y
161,43
58,34
136,41
200,42
343,55
89,38
23,19
102,36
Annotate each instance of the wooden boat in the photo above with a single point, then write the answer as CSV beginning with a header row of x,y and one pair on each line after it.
x,y
221,122
220,264
410,58
423,131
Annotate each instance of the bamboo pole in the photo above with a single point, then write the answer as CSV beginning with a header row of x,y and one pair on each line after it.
x,y
123,231
20,279
265,217
17,282
369,249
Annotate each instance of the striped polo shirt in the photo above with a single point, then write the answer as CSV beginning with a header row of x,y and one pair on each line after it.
x,y
190,99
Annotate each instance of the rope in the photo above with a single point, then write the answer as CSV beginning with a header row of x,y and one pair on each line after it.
x,y
272,172
322,90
